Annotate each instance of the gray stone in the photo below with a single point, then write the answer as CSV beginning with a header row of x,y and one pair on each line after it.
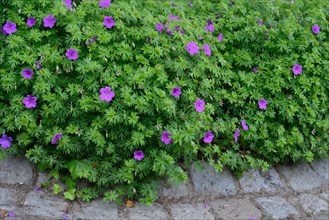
x,y
235,209
44,204
301,177
147,212
43,177
189,211
257,181
173,191
7,197
97,209
325,195
208,182
322,168
313,204
15,170
277,207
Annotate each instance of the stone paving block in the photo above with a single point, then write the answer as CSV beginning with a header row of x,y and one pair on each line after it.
x,y
312,204
97,209
173,191
301,177
276,207
257,181
7,197
44,204
325,195
235,209
189,211
208,182
15,170
147,212
322,168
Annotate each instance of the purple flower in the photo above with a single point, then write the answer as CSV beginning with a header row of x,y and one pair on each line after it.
x,y
199,105
316,29
297,69
190,5
5,141
106,94
105,3
165,138
71,54
209,22
176,92
49,21
200,38
173,18
11,214
262,103
236,134
138,155
210,28
220,37
27,73
9,27
208,136
254,69
260,22
192,48
30,22
56,138
38,64
108,22
206,49
159,27
206,205
68,3
244,125
30,101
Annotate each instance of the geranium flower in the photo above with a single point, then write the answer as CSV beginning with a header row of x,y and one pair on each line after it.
x,y
199,105
72,54
297,69
49,21
106,94
105,3
68,3
56,138
108,21
5,141
206,49
208,136
192,48
138,155
176,92
30,22
27,73
30,101
262,103
316,29
9,27
244,125
236,134
220,37
159,27
165,138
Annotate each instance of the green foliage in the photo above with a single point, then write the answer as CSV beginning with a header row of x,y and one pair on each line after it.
x,y
142,66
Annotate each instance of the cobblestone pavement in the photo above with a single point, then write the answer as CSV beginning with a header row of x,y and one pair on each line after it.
x,y
299,191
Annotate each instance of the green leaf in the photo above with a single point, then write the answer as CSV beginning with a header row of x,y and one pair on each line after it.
x,y
54,173
79,169
56,188
70,195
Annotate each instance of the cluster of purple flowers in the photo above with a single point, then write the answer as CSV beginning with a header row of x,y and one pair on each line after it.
x,y
160,27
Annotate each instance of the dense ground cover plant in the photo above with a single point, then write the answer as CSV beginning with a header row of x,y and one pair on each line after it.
x,y
122,93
